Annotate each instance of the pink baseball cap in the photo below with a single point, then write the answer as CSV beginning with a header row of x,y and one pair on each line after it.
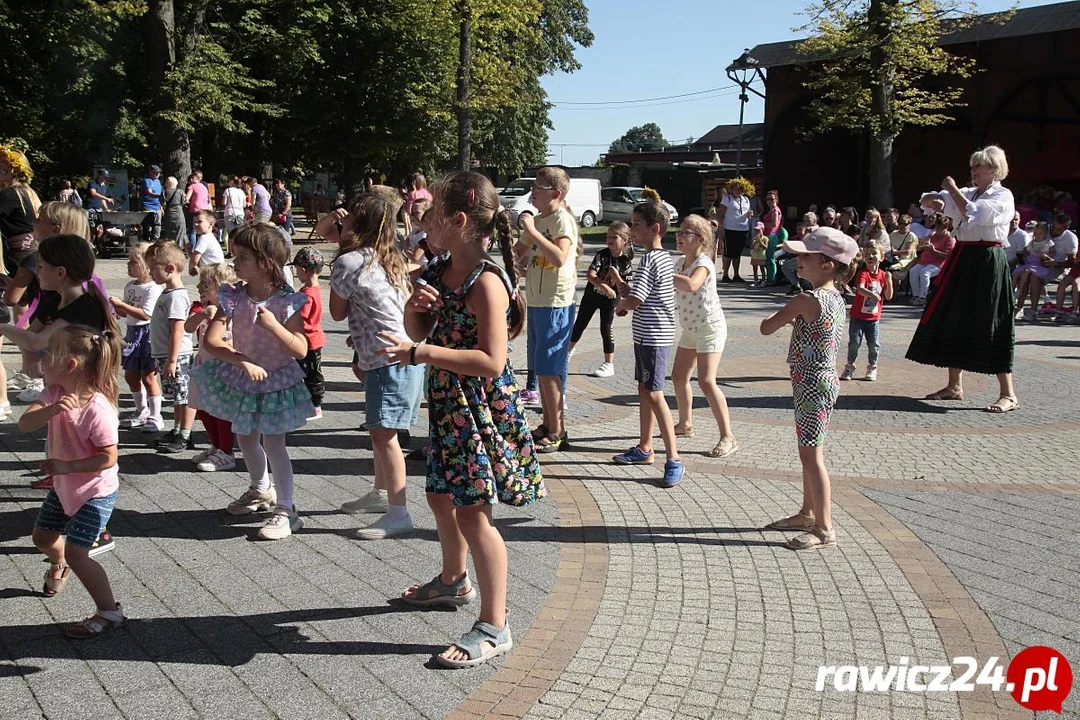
x,y
828,241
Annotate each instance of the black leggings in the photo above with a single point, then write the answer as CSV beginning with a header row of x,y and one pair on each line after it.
x,y
592,301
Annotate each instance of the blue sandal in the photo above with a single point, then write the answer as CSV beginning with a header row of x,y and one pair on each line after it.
x,y
499,643
436,592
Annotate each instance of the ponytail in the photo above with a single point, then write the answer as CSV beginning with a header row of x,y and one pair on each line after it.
x,y
503,229
111,328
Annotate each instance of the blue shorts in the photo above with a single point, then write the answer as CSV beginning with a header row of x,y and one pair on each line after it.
x,y
650,365
549,339
84,527
392,396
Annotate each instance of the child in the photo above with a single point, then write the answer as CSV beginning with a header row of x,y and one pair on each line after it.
x,y
1032,267
1069,282
818,318
651,297
369,285
599,295
258,386
207,249
759,245
309,263
169,343
481,452
219,456
704,333
933,252
551,241
79,409
872,285
140,296
416,248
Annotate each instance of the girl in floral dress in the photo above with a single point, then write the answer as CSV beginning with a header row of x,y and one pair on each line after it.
x,y
817,317
460,317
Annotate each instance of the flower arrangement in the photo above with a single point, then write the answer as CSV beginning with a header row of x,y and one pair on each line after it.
x,y
650,195
741,183
20,166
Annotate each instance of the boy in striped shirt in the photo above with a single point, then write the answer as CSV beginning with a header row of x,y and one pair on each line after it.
x,y
651,297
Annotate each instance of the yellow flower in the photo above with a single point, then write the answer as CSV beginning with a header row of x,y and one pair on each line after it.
x,y
650,195
747,187
20,166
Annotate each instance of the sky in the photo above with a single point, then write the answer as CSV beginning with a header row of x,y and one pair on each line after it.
x,y
652,49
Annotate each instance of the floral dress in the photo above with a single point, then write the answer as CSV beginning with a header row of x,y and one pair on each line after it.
x,y
279,404
812,357
481,449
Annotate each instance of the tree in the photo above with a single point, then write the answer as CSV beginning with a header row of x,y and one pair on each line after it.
x,y
875,67
643,138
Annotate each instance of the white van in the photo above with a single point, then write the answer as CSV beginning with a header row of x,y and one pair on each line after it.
x,y
583,199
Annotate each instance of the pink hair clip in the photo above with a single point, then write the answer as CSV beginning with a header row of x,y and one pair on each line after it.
x,y
472,197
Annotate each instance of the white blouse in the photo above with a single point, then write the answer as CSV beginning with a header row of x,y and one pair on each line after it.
x,y
986,216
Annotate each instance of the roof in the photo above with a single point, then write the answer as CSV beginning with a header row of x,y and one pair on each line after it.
x,y
1028,21
728,134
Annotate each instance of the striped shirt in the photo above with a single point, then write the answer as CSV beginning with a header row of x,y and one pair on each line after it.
x,y
654,319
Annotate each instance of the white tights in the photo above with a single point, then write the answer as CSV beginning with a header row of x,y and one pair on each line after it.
x,y
255,457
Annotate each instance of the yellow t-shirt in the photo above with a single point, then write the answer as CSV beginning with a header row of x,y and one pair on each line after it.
x,y
547,285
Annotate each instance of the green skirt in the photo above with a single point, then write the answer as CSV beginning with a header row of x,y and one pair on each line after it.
x,y
968,323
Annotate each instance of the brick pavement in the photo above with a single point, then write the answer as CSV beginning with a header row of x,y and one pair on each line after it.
x,y
627,600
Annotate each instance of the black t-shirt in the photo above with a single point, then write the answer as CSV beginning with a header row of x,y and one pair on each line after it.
x,y
84,310
603,261
16,213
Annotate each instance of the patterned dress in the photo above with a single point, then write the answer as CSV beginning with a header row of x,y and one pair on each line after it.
x,y
279,404
812,357
481,450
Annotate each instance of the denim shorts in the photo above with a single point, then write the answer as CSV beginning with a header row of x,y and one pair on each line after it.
x,y
82,528
548,331
392,396
175,389
650,365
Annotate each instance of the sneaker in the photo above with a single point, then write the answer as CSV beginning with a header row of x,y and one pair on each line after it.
x,y
635,456
252,501
153,425
203,454
172,443
104,543
282,524
849,372
605,370
217,460
317,415
373,502
133,421
673,473
1019,315
19,381
32,391
5,410
530,397
871,374
384,527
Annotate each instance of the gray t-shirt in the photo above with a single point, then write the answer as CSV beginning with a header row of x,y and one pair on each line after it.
x,y
174,304
375,305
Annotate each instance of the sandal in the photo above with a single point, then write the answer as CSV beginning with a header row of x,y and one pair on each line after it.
x,y
540,432
725,448
946,394
801,522
95,625
1003,405
499,642
686,431
53,585
436,592
815,537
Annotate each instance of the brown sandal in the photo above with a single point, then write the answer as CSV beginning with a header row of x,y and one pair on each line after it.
x,y
804,522
815,537
53,585
946,394
95,625
1003,405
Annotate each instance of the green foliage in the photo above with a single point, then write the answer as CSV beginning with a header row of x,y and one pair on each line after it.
x,y
642,138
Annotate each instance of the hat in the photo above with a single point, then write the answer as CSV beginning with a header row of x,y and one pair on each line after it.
x,y
155,168
759,226
102,172
827,241
308,258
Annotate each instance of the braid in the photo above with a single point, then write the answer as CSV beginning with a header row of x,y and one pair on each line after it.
x,y
504,231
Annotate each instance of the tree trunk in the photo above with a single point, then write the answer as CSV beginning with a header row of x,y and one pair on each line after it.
x,y
881,167
171,142
464,119
880,15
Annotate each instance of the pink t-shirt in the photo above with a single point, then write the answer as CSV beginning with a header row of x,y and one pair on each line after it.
x,y
941,243
200,198
77,435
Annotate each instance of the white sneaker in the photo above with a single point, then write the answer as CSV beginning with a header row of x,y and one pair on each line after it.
x,y
849,372
605,370
203,454
217,460
373,502
317,415
252,501
871,374
5,410
19,381
384,527
33,391
133,421
282,524
153,425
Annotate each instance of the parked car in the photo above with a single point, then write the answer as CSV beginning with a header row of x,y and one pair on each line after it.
x,y
619,203
583,199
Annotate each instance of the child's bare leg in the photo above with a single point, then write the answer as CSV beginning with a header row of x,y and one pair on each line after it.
x,y
150,382
818,483
1036,286
684,394
92,576
1022,289
707,366
645,418
658,403
551,398
451,541
51,544
133,378
389,464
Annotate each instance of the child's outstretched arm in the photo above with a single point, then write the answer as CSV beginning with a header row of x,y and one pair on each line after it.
x,y
38,414
196,319
691,283
327,227
803,305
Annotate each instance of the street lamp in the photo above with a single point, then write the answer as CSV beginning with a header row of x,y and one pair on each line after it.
x,y
743,70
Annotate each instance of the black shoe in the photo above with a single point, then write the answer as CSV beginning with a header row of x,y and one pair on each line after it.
x,y
191,442
104,543
172,443
738,279
725,279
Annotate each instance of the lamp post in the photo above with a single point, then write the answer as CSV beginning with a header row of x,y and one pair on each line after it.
x,y
743,71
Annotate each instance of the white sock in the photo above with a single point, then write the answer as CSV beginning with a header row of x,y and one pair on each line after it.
x,y
155,406
140,402
378,492
396,512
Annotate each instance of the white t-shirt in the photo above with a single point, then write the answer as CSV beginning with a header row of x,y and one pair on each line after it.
x,y
920,230
207,244
375,305
1065,244
702,307
735,215
1018,241
143,296
234,202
